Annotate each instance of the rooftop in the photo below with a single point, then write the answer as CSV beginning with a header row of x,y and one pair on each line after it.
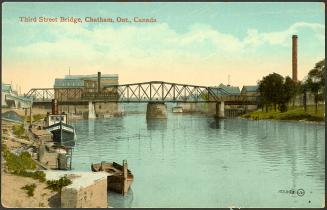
x,y
231,90
69,83
250,88
78,80
91,76
6,87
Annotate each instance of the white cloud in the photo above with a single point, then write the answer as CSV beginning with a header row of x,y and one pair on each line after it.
x,y
282,37
156,40
143,49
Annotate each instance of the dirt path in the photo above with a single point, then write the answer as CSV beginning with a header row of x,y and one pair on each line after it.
x,y
13,196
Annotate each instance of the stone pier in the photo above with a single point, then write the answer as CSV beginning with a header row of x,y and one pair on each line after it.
x,y
220,110
88,189
156,110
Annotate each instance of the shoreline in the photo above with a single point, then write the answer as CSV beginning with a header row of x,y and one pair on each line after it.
x,y
280,120
293,114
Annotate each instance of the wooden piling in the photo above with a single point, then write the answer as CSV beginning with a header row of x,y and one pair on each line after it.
x,y
125,173
31,116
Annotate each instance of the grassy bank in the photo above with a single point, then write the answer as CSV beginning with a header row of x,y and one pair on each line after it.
x,y
35,117
294,113
19,168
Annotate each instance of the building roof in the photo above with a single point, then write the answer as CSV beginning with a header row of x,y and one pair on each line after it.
x,y
230,89
250,88
226,90
68,83
92,76
6,87
78,80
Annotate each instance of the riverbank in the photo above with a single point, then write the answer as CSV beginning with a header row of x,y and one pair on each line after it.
x,y
37,182
13,196
293,114
12,184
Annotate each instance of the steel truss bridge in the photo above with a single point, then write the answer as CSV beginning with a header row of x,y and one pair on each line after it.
x,y
154,91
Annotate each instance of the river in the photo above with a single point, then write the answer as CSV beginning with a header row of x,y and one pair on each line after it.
x,y
197,161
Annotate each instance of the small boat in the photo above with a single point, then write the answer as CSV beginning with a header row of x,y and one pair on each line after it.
x,y
177,109
118,181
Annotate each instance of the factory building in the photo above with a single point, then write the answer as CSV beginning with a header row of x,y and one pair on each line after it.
x,y
72,87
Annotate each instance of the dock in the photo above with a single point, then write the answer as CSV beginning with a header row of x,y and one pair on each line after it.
x,y
88,189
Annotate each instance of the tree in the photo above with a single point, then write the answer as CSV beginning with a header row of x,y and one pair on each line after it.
x,y
276,90
289,90
270,88
316,82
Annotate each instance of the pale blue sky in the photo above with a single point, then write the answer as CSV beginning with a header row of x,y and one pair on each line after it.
x,y
210,40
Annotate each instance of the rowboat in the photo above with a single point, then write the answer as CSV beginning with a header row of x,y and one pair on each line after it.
x,y
120,179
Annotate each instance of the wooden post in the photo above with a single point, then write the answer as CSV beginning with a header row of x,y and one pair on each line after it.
x,y
71,158
30,115
125,172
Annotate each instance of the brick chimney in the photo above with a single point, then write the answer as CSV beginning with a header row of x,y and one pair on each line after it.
x,y
99,82
294,58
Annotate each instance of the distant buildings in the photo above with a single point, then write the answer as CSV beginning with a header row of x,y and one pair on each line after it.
x,y
231,90
73,86
5,90
251,90
222,89
11,99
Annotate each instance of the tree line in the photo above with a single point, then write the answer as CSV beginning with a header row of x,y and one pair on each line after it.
x,y
277,92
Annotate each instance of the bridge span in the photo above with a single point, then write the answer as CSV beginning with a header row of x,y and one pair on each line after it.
x,y
145,92
154,91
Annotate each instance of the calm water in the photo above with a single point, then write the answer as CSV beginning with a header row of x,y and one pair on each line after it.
x,y
195,161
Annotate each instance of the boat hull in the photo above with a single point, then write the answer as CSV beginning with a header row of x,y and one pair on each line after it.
x,y
63,134
116,181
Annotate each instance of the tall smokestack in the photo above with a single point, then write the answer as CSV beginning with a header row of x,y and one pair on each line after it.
x,y
294,58
99,81
54,106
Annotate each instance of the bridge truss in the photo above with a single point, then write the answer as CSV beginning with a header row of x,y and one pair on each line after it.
x,y
164,92
41,94
154,91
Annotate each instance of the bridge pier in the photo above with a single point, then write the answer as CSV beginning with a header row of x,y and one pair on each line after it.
x,y
156,110
220,109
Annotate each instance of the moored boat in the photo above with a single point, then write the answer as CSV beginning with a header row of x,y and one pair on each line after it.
x,y
120,178
177,109
63,133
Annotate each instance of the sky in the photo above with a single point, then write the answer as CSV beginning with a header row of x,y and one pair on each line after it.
x,y
190,43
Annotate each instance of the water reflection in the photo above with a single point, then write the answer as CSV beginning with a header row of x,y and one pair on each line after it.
x,y
156,124
91,127
116,200
215,123
192,160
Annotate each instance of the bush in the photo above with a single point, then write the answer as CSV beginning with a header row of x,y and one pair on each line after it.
x,y
29,189
18,164
38,117
19,130
38,175
57,185
35,117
